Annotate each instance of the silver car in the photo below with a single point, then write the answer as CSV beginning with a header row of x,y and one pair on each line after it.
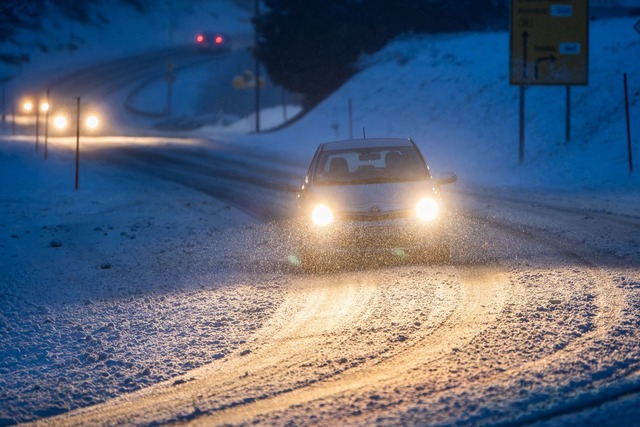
x,y
371,196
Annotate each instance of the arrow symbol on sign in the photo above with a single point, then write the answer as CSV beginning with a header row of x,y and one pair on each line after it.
x,y
551,59
525,40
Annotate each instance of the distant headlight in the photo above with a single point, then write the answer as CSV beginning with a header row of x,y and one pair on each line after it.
x,y
60,122
427,209
92,121
322,215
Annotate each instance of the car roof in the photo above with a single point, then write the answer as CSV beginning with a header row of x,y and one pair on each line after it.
x,y
367,142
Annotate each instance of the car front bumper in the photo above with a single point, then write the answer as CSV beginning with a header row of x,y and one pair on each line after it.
x,y
373,236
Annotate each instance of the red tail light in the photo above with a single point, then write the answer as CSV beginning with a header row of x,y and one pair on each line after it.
x,y
200,38
219,39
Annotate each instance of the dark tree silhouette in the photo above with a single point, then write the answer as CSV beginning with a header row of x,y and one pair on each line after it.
x,y
312,46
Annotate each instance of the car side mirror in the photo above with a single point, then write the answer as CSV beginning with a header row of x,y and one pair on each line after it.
x,y
300,189
447,178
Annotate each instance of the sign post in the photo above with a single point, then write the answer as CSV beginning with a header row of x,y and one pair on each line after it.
x,y
568,115
549,46
522,103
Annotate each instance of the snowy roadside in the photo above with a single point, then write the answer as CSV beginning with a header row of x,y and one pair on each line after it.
x,y
125,282
620,203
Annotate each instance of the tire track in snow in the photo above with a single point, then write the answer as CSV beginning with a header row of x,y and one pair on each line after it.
x,y
610,302
593,283
477,305
299,324
317,311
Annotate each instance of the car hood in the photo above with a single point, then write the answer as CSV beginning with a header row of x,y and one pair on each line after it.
x,y
373,198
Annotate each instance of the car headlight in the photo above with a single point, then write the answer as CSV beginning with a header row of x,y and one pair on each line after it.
x,y
427,209
322,215
60,122
92,121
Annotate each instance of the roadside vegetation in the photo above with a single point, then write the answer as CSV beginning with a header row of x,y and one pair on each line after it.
x,y
313,47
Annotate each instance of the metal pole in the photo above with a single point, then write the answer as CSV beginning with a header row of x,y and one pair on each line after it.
x,y
170,78
350,119
257,13
568,135
169,97
626,106
37,107
46,126
4,116
77,141
284,105
522,89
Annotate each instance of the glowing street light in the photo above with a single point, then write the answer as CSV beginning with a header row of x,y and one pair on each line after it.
x,y
44,106
27,106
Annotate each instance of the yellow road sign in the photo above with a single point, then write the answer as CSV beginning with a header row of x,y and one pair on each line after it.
x,y
549,42
247,80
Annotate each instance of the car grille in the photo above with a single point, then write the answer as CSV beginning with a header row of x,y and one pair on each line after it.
x,y
380,231
375,216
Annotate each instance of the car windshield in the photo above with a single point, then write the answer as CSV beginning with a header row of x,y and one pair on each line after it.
x,y
369,166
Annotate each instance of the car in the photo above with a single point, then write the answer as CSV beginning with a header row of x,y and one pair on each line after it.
x,y
212,42
371,196
61,119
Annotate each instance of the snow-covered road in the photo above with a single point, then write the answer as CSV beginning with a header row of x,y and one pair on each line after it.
x,y
169,318
164,289
260,184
